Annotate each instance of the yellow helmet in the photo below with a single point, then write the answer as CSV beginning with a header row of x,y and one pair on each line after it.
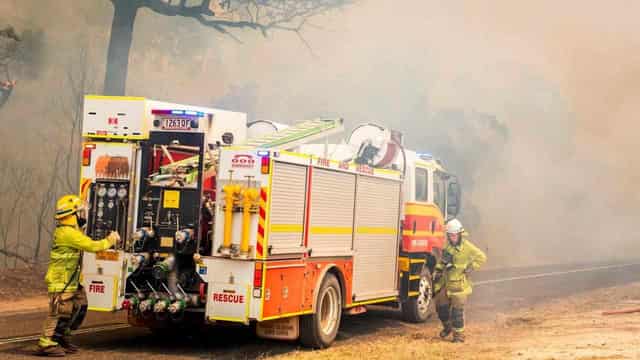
x,y
68,205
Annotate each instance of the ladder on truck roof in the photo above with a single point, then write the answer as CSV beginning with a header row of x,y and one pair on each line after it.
x,y
298,134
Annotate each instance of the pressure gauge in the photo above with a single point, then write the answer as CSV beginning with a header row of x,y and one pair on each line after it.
x,y
112,192
122,192
102,191
110,204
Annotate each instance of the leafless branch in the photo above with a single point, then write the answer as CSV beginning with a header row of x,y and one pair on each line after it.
x,y
264,15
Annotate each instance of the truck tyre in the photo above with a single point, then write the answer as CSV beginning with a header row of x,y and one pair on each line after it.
x,y
319,330
417,309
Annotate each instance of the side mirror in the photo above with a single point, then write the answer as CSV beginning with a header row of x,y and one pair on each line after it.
x,y
453,199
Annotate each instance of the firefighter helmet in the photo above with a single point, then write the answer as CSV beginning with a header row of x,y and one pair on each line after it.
x,y
68,205
454,226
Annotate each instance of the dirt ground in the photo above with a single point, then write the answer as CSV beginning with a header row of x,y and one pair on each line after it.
x,y
569,328
564,328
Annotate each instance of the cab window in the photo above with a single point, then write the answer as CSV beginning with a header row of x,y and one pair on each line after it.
x,y
439,190
422,182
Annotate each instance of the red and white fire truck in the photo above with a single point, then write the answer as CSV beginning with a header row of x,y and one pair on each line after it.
x,y
272,230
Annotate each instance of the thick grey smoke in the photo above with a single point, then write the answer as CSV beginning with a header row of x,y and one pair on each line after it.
x,y
530,104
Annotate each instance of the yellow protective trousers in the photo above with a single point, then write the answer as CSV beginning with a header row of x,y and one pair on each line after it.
x,y
63,308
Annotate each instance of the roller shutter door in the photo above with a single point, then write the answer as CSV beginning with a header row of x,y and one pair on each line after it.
x,y
376,238
331,214
286,214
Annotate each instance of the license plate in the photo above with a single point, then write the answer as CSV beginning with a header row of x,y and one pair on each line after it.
x,y
176,124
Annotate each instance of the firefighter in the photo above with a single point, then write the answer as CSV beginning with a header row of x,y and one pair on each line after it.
x,y
67,299
452,286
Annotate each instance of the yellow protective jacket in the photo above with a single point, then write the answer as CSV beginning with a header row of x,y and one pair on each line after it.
x,y
68,244
464,256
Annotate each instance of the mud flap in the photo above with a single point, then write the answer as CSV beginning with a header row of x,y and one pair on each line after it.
x,y
279,329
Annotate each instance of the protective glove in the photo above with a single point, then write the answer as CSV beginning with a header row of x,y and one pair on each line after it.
x,y
468,270
114,238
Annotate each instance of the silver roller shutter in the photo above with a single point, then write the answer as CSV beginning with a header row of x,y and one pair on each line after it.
x,y
331,214
376,238
286,214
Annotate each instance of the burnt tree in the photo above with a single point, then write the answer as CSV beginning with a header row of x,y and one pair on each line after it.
x,y
222,16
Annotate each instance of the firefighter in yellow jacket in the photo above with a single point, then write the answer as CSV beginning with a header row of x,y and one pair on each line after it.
x,y
67,299
452,285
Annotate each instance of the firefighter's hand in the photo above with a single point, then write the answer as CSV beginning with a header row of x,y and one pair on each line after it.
x,y
437,275
468,270
114,238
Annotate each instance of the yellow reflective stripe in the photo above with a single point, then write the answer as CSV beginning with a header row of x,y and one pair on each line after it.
x,y
99,309
373,301
414,277
414,293
58,256
230,319
288,315
286,228
417,261
376,230
386,171
331,230
107,97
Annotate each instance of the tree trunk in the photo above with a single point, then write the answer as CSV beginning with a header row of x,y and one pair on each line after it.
x,y
124,16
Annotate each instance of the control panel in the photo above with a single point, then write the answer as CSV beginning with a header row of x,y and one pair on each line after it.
x,y
108,207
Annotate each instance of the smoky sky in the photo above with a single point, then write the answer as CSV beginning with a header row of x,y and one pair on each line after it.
x,y
530,103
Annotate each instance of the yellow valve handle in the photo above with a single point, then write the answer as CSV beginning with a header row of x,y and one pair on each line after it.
x,y
231,191
249,197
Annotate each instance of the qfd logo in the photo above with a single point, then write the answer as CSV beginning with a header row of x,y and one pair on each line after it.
x,y
112,121
97,288
243,161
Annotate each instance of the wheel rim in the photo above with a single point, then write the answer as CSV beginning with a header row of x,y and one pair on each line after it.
x,y
329,308
424,299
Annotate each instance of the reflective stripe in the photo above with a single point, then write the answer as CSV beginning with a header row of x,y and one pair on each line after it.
x,y
330,230
376,230
285,228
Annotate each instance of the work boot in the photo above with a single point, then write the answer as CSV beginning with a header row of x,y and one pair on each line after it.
x,y
68,347
445,331
458,337
53,351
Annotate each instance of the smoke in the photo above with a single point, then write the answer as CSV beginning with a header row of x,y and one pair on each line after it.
x,y
531,104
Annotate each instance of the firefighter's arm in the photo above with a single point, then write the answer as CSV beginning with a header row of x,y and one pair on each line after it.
x,y
80,241
478,258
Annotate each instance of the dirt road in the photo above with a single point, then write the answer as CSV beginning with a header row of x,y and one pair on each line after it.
x,y
526,316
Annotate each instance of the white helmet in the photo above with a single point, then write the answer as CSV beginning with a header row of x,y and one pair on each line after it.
x,y
454,226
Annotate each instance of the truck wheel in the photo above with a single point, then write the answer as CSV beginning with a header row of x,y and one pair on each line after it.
x,y
417,309
319,330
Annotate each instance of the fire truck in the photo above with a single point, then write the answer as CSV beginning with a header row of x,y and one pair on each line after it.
x,y
282,230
